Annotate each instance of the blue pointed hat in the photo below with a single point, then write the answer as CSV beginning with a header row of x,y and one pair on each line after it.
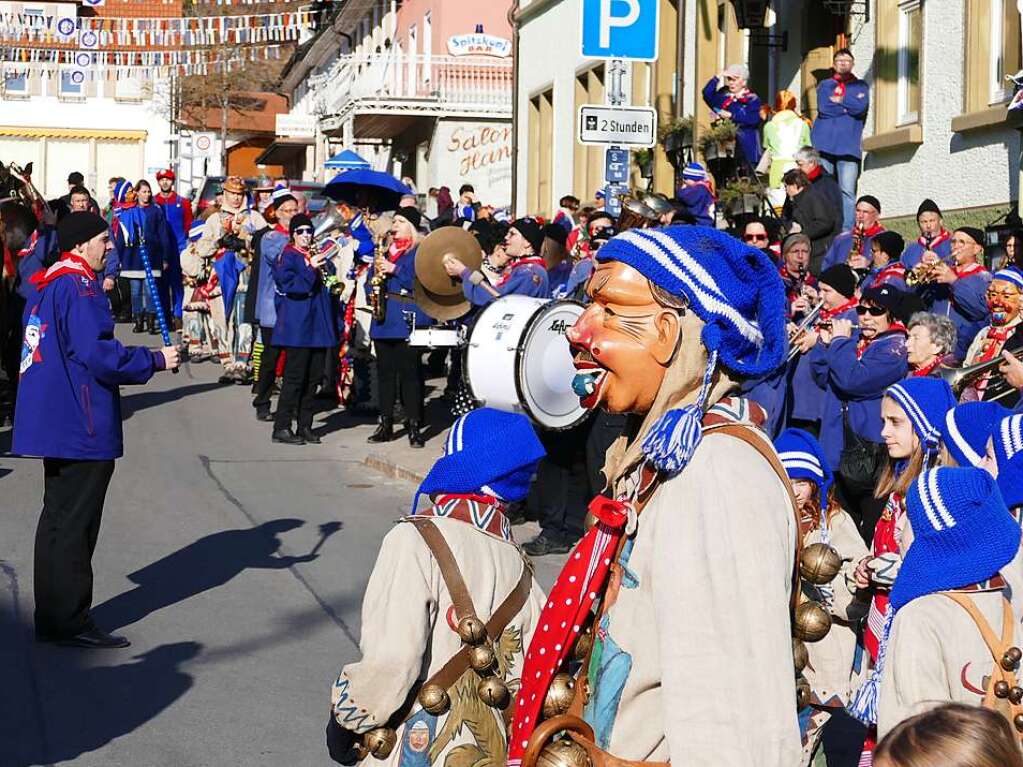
x,y
925,401
967,428
803,458
1008,439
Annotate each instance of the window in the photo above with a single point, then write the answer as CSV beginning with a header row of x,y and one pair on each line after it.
x,y
588,161
128,89
541,154
427,46
16,84
72,84
992,52
413,50
910,38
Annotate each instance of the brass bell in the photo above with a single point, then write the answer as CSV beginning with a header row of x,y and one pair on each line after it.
x,y
472,630
563,753
494,692
803,692
434,699
559,695
380,742
1018,722
482,657
800,655
1001,689
583,645
1016,695
811,622
819,563
1011,658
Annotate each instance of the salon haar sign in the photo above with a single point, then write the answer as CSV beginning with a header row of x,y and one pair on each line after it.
x,y
479,44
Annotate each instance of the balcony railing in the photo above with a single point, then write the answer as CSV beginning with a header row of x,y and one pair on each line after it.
x,y
418,84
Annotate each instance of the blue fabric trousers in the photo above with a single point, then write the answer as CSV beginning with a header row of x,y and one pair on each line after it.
x,y
846,171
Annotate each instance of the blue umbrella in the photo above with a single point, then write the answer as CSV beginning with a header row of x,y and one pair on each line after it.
x,y
346,159
367,188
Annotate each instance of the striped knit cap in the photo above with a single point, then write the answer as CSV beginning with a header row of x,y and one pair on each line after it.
x,y
487,451
694,172
122,190
195,233
803,458
1008,439
925,401
968,427
738,294
1010,274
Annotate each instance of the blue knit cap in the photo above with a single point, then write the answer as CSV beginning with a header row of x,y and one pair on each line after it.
x,y
195,233
121,189
737,293
1011,274
967,429
925,401
963,533
694,172
803,458
1008,439
487,451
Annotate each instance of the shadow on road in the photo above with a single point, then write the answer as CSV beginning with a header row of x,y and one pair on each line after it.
x,y
208,563
132,403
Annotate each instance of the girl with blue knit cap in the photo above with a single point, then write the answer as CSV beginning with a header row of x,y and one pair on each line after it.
x,y
823,521
414,610
951,635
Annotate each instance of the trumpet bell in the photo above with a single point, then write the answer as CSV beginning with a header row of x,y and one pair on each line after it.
x,y
328,221
658,204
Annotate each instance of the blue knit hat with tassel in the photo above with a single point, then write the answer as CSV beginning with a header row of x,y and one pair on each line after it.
x,y
487,451
738,294
803,458
968,427
925,401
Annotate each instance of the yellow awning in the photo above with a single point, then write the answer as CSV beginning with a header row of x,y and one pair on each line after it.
x,y
18,131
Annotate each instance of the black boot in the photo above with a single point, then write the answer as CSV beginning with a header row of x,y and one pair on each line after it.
x,y
286,437
306,433
415,437
384,432
151,323
140,323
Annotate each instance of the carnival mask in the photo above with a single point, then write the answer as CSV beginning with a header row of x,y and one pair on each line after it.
x,y
624,341
1003,302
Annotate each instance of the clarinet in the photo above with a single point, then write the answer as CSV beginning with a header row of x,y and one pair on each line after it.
x,y
857,249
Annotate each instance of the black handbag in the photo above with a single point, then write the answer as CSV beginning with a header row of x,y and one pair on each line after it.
x,y
861,459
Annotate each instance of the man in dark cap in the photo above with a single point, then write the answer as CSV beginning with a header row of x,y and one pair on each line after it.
x,y
62,205
934,242
69,414
525,276
885,267
853,246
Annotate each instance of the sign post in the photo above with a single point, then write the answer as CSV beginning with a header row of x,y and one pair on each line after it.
x,y
618,30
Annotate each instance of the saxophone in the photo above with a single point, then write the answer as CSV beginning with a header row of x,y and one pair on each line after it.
x,y
378,285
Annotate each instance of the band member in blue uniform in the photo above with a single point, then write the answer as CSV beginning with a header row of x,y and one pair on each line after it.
x,y
178,211
306,327
935,241
398,364
69,414
853,246
526,276
729,98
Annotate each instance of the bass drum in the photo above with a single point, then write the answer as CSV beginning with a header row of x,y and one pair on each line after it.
x,y
518,360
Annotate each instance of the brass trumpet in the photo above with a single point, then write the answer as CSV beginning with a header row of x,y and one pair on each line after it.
x,y
962,378
922,274
808,322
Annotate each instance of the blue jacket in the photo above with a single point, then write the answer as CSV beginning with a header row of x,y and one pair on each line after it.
x,y
557,278
696,200
914,252
964,302
807,395
859,384
69,404
838,129
838,252
769,391
178,212
125,259
400,283
43,253
270,248
525,279
363,237
745,114
575,286
305,312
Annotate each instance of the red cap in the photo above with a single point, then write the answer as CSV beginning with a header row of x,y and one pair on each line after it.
x,y
166,173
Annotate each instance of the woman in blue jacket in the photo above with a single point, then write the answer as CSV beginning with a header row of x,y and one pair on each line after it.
x,y
730,99
306,327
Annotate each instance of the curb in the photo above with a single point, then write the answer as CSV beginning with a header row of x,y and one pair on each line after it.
x,y
390,469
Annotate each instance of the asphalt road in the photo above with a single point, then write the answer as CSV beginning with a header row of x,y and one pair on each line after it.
x,y
235,566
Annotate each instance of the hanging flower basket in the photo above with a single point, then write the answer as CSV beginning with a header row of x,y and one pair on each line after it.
x,y
741,196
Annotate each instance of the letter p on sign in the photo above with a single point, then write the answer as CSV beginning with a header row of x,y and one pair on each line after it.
x,y
620,29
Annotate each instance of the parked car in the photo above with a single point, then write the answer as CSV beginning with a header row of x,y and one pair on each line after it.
x,y
316,201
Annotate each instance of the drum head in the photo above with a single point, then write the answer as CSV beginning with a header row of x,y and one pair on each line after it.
x,y
544,369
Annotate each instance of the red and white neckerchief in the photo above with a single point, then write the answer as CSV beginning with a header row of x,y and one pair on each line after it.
x,y
994,340
827,314
863,343
741,97
895,270
943,235
840,81
69,263
30,245
887,538
562,618
482,511
397,249
927,369
968,271
278,227
875,230
534,260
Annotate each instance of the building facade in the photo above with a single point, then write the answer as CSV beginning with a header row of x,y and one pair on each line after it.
x,y
421,89
101,127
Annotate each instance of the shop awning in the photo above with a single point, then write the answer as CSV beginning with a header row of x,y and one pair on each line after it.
x,y
21,131
284,150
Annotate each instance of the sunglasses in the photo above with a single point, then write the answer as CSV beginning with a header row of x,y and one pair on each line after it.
x,y
304,230
755,238
874,311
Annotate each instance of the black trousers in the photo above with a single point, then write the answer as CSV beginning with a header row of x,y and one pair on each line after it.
x,y
399,365
605,428
562,488
302,369
267,369
73,496
862,506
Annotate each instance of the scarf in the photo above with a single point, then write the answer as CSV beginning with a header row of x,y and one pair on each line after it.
x,y
482,511
827,314
889,271
840,81
968,271
535,260
731,98
875,230
69,263
887,537
397,249
927,369
279,228
935,241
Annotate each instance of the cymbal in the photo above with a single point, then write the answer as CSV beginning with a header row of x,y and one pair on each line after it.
x,y
441,307
430,255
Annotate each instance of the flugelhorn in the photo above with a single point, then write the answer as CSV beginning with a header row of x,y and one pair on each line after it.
x,y
808,322
962,378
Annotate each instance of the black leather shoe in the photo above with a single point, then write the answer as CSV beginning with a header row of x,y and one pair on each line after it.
x,y
264,415
544,544
309,435
151,324
140,324
287,437
94,639
415,437
384,432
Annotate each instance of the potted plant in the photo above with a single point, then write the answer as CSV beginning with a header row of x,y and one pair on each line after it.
x,y
676,134
740,196
644,160
718,140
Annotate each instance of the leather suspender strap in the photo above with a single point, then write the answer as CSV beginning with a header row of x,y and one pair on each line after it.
x,y
996,647
449,571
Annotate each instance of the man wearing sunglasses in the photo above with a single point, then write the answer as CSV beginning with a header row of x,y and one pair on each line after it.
x,y
855,366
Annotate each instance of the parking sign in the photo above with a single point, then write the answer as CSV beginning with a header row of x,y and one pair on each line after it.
x,y
620,29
